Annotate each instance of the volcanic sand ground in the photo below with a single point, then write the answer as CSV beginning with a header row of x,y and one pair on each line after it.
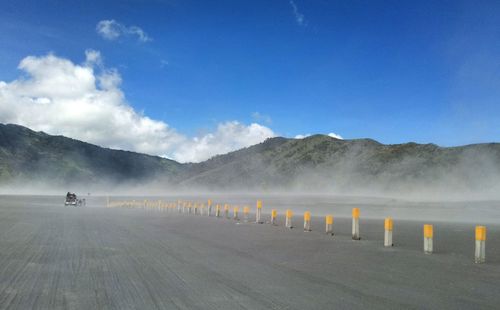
x,y
56,257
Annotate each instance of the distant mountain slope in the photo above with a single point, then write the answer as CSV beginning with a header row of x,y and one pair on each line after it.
x,y
316,163
36,156
319,162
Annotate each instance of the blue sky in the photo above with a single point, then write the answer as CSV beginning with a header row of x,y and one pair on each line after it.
x,y
394,71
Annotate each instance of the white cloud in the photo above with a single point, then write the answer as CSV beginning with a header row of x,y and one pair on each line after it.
x,y
93,57
299,17
85,102
336,136
259,117
331,134
112,30
302,136
229,136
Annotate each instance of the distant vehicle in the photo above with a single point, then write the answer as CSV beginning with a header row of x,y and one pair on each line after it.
x,y
71,200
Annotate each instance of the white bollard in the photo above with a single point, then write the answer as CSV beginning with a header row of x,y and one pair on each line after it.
x,y
388,232
226,211
217,210
355,224
288,219
246,210
480,255
307,221
258,212
274,214
329,225
428,238
236,209
209,207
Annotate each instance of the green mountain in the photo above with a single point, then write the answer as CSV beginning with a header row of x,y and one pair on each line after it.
x,y
315,163
26,155
321,162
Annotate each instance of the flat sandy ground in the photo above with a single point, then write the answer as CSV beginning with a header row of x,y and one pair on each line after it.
x,y
56,257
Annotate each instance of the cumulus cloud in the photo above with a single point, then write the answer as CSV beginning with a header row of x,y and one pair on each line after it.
x,y
331,134
110,29
336,136
302,136
259,117
85,102
229,136
299,17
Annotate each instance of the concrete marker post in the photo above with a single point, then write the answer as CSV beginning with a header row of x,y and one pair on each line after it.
x,y
258,212
236,209
274,214
209,206
226,211
307,221
329,225
388,225
217,210
355,224
428,238
480,253
246,210
288,219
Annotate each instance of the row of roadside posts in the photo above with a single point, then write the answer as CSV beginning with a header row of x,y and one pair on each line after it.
x,y
223,210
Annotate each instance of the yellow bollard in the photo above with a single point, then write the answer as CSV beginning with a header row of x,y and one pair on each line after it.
x,y
329,224
428,238
246,210
209,207
355,224
226,210
258,212
217,210
288,219
307,221
480,253
388,232
235,213
274,214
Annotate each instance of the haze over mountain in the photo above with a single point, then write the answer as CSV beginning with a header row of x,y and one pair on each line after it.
x,y
316,163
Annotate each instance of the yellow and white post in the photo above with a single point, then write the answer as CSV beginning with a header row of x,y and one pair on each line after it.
x,y
209,206
258,213
355,224
480,255
217,210
329,224
246,210
236,209
388,224
203,210
307,221
274,214
428,236
189,208
288,219
226,210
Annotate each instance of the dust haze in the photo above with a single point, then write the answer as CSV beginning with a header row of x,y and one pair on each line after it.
x,y
465,190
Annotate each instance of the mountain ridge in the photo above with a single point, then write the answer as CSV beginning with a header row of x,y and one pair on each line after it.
x,y
314,162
